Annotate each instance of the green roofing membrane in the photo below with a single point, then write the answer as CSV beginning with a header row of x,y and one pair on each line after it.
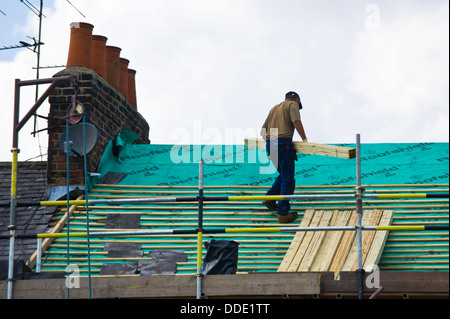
x,y
177,165
154,170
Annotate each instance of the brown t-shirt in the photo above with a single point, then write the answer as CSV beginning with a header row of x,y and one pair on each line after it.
x,y
281,117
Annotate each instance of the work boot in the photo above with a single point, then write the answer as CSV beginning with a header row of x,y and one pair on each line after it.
x,y
270,204
284,219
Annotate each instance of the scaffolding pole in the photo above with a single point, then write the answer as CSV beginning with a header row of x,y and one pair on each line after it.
x,y
200,231
169,199
266,230
68,150
86,195
359,212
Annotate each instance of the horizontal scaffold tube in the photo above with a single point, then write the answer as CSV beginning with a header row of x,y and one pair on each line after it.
x,y
291,229
149,200
335,196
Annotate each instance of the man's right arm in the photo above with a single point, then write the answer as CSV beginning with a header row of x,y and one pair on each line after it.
x,y
263,132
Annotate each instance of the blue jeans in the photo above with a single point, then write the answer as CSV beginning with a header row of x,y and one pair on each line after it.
x,y
285,165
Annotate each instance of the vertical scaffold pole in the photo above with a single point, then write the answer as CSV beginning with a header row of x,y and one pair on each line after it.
x,y
359,212
68,202
200,231
39,255
12,212
12,223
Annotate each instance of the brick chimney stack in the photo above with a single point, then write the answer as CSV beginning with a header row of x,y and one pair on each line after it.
x,y
106,88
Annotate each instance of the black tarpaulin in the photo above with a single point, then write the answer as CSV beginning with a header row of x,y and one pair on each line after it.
x,y
221,257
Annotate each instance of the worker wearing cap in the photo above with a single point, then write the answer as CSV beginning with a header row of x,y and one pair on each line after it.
x,y
278,131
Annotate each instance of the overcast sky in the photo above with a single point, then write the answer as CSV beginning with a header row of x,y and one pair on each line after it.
x,y
208,71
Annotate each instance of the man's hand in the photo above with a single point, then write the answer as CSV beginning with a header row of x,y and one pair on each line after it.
x,y
305,140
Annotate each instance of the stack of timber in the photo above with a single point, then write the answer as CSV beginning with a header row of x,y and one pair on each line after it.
x,y
309,148
336,251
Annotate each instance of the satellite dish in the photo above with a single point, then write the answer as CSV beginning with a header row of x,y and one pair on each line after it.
x,y
76,139
75,113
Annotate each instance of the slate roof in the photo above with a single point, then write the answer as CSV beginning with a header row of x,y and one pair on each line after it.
x,y
31,186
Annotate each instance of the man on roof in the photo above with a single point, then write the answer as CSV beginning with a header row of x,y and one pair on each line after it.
x,y
278,131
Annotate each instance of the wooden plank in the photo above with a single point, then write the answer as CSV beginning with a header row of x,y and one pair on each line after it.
x,y
305,242
324,250
277,284
367,237
331,242
422,284
351,258
296,242
393,282
309,148
169,286
316,243
376,218
374,254
344,247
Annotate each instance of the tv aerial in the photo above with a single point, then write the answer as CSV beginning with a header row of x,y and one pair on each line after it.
x,y
24,44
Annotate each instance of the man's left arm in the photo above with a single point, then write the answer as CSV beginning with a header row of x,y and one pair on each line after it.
x,y
297,121
300,130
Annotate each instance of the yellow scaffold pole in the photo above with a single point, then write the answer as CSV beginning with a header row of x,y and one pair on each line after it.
x,y
200,231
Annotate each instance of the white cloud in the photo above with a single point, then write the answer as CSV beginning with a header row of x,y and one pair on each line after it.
x,y
401,71
223,64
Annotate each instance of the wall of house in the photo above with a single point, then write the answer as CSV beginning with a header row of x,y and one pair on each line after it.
x,y
109,99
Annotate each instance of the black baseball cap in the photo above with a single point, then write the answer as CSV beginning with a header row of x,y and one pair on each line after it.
x,y
292,94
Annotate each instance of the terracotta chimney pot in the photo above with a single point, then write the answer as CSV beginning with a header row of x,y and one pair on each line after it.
x,y
80,47
132,88
123,78
113,66
99,55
